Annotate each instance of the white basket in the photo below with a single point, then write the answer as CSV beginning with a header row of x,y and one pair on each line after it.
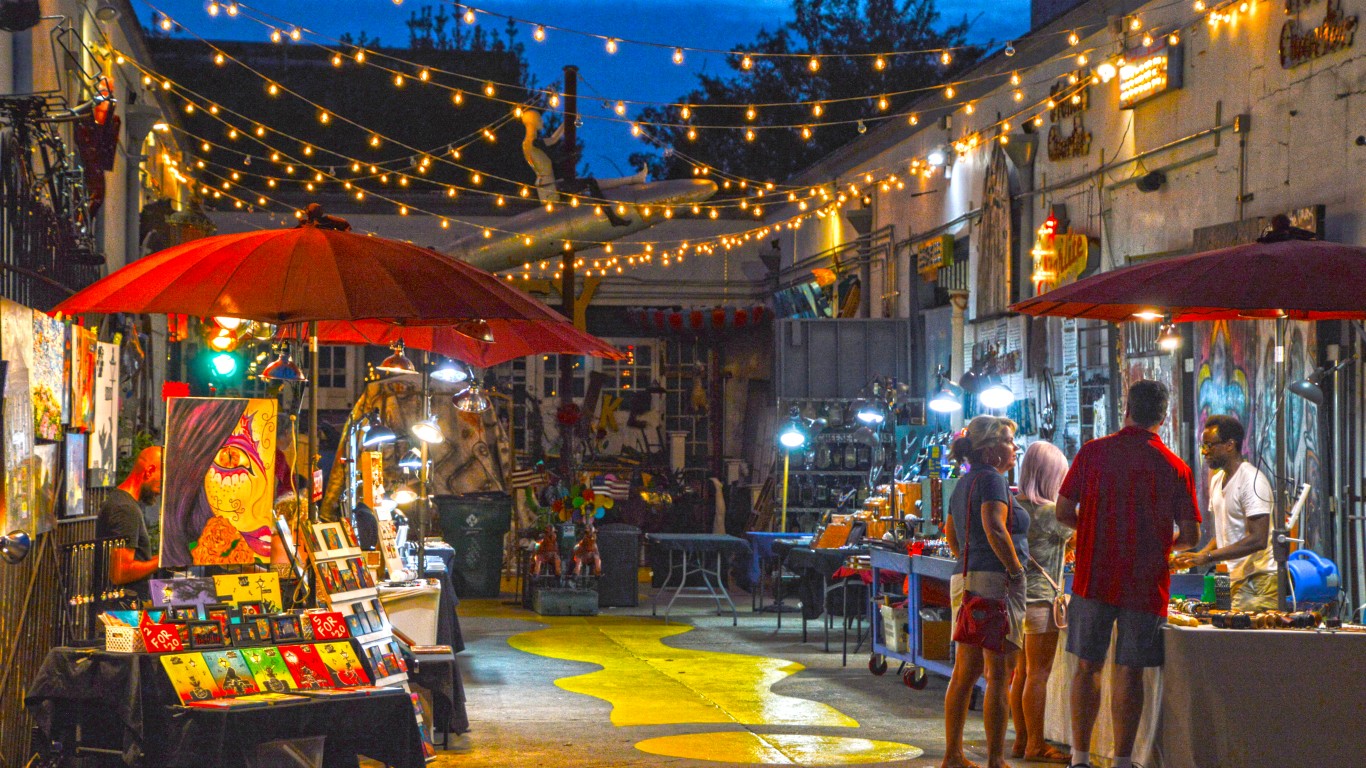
x,y
124,640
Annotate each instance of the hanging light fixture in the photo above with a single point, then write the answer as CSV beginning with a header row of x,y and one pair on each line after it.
x,y
793,434
428,431
283,368
412,460
376,434
870,412
948,398
1168,338
996,396
229,323
397,363
472,400
386,504
451,372
405,494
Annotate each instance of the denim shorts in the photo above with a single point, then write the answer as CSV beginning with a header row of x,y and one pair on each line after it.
x,y
1138,640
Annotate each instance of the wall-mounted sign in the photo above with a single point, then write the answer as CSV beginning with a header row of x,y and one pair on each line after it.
x,y
995,251
1059,258
1068,100
933,254
1299,46
1148,72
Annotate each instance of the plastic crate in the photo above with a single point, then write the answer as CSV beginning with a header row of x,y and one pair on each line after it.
x,y
124,640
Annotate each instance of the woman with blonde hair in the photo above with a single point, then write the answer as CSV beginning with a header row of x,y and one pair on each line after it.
x,y
1041,473
986,530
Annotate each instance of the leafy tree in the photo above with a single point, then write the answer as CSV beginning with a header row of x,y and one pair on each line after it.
x,y
837,31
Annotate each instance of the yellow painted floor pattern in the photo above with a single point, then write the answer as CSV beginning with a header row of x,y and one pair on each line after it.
x,y
649,683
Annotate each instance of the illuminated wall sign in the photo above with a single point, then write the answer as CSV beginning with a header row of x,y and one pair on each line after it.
x,y
1059,259
1148,72
1068,100
932,255
1299,46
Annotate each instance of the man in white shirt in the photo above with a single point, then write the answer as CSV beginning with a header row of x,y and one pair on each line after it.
x,y
1240,503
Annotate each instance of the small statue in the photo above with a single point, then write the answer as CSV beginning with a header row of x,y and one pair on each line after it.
x,y
586,552
536,150
547,553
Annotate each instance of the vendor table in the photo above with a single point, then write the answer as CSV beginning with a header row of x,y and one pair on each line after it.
x,y
696,553
816,567
763,557
124,702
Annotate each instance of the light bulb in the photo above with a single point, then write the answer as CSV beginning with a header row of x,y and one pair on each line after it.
x,y
611,45
1073,38
879,63
746,62
469,15
945,58
678,55
814,64
949,92
539,34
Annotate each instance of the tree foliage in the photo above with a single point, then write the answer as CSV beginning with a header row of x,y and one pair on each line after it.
x,y
837,31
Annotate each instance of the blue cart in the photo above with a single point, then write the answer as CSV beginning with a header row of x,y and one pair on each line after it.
x,y
915,668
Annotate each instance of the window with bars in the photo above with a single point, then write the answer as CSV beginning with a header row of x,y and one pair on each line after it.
x,y
636,372
333,371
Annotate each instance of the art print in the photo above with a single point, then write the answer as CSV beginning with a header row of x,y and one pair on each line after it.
x,y
251,608
263,588
49,374
207,634
268,669
74,485
308,669
190,676
46,475
187,591
343,664
104,425
82,360
230,672
16,347
244,634
219,482
285,628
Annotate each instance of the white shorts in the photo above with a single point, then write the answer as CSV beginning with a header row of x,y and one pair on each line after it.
x,y
1038,618
956,591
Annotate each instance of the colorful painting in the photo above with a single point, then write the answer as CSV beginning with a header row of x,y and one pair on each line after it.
x,y
16,347
82,359
263,588
190,676
268,669
343,663
230,672
74,493
50,405
188,591
1236,374
104,424
218,482
47,471
307,667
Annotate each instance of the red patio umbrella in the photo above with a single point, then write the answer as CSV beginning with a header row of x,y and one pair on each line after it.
x,y
511,339
1283,276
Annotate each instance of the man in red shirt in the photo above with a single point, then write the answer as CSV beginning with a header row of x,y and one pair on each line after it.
x,y
1131,500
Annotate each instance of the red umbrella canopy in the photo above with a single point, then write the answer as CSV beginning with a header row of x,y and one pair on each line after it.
x,y
512,339
303,274
1297,279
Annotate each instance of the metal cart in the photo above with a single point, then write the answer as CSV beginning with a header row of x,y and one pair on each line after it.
x,y
915,668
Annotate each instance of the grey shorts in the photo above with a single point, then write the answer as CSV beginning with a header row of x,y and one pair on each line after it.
x,y
1139,636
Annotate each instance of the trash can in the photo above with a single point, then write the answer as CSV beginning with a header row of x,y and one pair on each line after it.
x,y
619,548
474,524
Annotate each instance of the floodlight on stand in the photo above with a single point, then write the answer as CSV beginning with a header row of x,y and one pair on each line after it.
x,y
428,431
451,372
14,546
411,460
793,434
948,398
996,396
1168,338
1309,387
870,412
397,362
472,400
376,434
283,368
405,494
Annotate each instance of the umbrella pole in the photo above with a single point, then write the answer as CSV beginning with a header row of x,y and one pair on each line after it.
x,y
1280,543
424,474
315,491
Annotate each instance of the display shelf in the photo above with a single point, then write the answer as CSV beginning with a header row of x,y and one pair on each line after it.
x,y
396,679
373,636
841,472
352,596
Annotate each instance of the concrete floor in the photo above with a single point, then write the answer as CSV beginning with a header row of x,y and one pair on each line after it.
x,y
519,717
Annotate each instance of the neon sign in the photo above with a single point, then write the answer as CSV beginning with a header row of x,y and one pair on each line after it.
x,y
1148,72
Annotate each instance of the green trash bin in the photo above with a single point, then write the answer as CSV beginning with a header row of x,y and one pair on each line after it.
x,y
474,524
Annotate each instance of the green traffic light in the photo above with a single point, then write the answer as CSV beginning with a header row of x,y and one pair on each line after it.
x,y
224,364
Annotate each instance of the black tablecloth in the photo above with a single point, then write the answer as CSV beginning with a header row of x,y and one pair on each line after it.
x,y
815,567
661,544
125,701
440,675
448,621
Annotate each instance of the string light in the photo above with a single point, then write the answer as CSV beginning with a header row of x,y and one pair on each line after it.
x,y
469,15
879,64
746,63
1073,38
539,34
678,55
611,45
814,64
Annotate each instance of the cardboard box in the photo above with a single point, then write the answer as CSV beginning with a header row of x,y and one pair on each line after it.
x,y
934,639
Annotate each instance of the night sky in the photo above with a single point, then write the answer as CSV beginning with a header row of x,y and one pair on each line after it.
x,y
634,72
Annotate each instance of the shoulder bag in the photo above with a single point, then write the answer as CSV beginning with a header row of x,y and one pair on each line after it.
x,y
981,621
1060,598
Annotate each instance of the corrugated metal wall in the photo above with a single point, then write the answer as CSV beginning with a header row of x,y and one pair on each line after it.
x,y
837,358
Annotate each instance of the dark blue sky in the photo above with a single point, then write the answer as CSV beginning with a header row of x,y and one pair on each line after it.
x,y
632,73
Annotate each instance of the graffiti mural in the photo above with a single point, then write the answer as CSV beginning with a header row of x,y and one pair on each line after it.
x,y
1235,374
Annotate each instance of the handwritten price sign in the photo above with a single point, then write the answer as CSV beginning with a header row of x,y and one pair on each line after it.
x,y
328,626
161,638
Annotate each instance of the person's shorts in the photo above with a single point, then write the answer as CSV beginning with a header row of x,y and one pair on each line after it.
x,y
1254,594
1138,640
956,591
1038,618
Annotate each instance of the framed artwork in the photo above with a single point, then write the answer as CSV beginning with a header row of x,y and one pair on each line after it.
x,y
49,377
207,634
230,672
82,358
16,347
189,591
182,612
245,634
46,475
331,540
251,608
104,425
265,628
219,612
75,459
284,628
218,482
306,629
